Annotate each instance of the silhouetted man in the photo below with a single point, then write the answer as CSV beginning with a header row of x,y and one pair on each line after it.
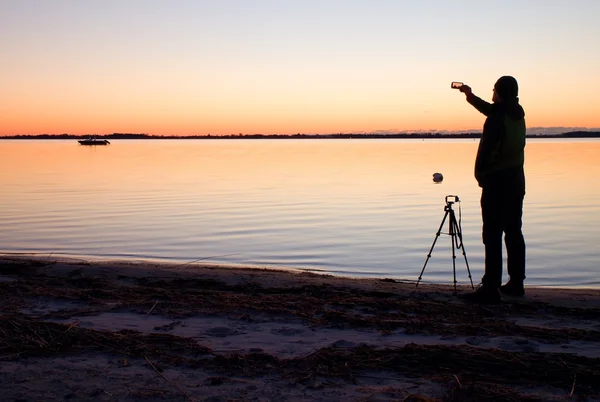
x,y
499,172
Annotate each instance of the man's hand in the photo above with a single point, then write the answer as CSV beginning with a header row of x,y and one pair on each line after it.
x,y
465,89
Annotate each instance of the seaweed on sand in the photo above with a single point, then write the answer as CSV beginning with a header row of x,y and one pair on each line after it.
x,y
24,336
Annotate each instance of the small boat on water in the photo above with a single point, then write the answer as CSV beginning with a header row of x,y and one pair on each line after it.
x,y
93,141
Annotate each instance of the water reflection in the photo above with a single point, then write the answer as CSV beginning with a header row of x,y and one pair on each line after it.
x,y
363,207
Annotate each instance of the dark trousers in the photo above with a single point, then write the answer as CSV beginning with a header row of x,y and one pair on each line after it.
x,y
502,210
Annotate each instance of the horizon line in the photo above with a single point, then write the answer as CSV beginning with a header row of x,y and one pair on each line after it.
x,y
464,134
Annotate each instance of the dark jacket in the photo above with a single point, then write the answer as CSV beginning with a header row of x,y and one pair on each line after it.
x,y
502,144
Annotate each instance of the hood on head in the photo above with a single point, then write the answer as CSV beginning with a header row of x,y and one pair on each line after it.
x,y
507,87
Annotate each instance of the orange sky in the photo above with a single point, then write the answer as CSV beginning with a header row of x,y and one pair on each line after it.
x,y
195,68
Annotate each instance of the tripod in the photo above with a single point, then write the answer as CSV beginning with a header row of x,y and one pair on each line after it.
x,y
455,232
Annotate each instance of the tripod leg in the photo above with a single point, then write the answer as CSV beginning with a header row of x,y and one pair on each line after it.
x,y
461,246
437,235
452,232
464,253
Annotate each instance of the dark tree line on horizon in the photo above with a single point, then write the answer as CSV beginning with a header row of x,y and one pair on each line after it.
x,y
135,136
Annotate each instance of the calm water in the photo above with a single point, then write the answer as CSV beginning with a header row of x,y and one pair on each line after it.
x,y
350,207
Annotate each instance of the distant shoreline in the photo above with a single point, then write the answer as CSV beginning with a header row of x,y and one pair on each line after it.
x,y
134,136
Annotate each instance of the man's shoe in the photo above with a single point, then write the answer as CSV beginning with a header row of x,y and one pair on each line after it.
x,y
513,288
483,295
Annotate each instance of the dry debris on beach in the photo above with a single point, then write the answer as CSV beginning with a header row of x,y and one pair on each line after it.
x,y
111,331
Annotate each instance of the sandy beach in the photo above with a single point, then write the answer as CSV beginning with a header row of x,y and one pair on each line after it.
x,y
143,331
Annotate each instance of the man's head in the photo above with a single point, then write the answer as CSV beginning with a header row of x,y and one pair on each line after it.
x,y
506,88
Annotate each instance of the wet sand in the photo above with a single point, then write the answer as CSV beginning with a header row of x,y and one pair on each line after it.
x,y
143,331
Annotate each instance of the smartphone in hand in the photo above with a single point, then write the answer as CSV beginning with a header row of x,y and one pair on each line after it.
x,y
456,85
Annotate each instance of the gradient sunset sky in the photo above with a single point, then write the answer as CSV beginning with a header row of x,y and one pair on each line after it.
x,y
198,67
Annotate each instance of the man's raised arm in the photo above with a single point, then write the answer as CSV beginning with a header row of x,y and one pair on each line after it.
x,y
478,103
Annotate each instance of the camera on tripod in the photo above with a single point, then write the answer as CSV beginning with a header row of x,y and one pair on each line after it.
x,y
451,199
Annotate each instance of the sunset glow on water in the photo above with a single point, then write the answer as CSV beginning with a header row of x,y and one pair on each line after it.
x,y
348,207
